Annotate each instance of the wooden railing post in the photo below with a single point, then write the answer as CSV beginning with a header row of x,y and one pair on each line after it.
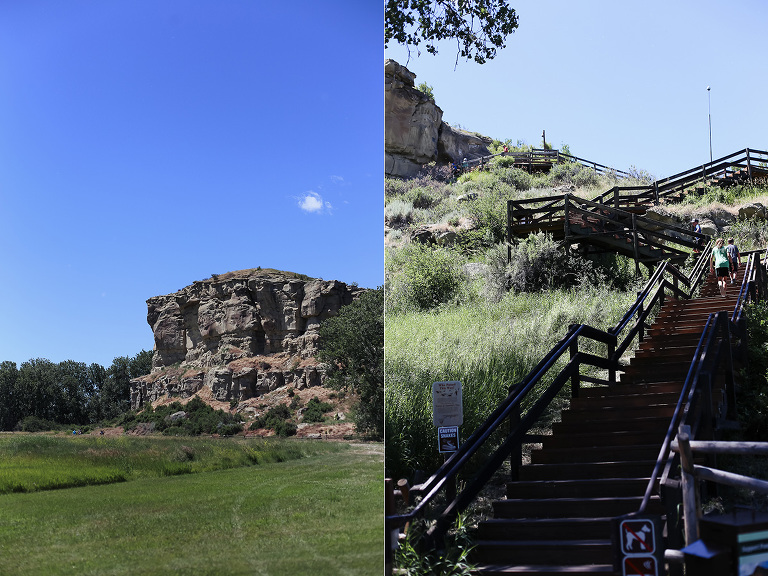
x,y
749,169
690,491
390,536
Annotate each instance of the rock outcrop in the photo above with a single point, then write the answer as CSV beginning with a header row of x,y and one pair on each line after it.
x,y
414,131
241,334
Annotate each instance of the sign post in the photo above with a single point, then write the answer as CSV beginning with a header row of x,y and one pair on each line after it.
x,y
447,416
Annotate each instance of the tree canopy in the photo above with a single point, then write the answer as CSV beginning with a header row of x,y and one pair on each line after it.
x,y
352,347
479,26
67,392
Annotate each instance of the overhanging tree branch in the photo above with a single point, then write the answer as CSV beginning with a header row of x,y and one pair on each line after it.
x,y
480,27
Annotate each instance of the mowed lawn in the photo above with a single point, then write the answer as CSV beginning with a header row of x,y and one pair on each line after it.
x,y
318,515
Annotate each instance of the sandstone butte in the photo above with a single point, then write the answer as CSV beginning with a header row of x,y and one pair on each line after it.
x,y
238,336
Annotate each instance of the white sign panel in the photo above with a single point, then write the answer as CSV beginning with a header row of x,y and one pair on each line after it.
x,y
447,407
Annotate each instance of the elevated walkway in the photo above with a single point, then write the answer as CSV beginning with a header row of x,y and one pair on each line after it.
x,y
617,220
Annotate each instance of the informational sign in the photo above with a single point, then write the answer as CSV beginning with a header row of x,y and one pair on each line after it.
x,y
753,553
447,407
448,439
641,550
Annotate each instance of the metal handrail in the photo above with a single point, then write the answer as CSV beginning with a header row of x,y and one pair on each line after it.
x,y
652,293
716,322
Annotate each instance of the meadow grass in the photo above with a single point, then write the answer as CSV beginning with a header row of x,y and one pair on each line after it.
x,y
318,515
32,462
487,347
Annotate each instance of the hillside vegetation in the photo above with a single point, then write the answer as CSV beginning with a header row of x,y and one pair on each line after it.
x,y
456,310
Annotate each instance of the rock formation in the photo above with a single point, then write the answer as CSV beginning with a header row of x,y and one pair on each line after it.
x,y
414,131
241,334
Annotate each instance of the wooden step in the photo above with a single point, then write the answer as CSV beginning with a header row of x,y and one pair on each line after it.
x,y
621,401
568,507
592,488
543,569
582,471
608,413
605,439
531,551
594,454
619,424
621,389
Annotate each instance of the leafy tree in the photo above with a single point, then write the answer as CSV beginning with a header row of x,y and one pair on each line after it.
x,y
9,409
352,348
115,393
479,26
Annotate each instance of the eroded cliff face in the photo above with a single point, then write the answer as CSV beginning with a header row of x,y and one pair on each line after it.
x,y
241,334
414,131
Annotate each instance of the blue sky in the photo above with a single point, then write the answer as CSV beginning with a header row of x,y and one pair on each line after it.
x,y
145,145
622,83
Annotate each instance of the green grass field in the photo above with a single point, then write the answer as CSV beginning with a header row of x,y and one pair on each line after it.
x,y
318,514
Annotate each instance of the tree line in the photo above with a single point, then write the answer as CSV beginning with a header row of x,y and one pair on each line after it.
x,y
68,392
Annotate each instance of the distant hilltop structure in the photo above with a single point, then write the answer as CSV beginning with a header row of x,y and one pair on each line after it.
x,y
240,334
414,131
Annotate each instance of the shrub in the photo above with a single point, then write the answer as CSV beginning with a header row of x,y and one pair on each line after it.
x,y
277,419
540,263
573,173
489,210
749,234
315,410
200,419
398,213
421,277
36,424
420,197
395,187
517,177
450,559
502,162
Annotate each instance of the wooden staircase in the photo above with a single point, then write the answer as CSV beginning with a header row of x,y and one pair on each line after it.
x,y
616,236
596,465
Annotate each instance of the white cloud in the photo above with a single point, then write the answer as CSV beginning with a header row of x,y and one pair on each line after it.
x,y
313,202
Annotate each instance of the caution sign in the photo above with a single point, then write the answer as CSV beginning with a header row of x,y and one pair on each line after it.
x,y
448,438
644,565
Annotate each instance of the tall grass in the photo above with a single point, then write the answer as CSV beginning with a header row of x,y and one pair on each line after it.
x,y
30,463
487,347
